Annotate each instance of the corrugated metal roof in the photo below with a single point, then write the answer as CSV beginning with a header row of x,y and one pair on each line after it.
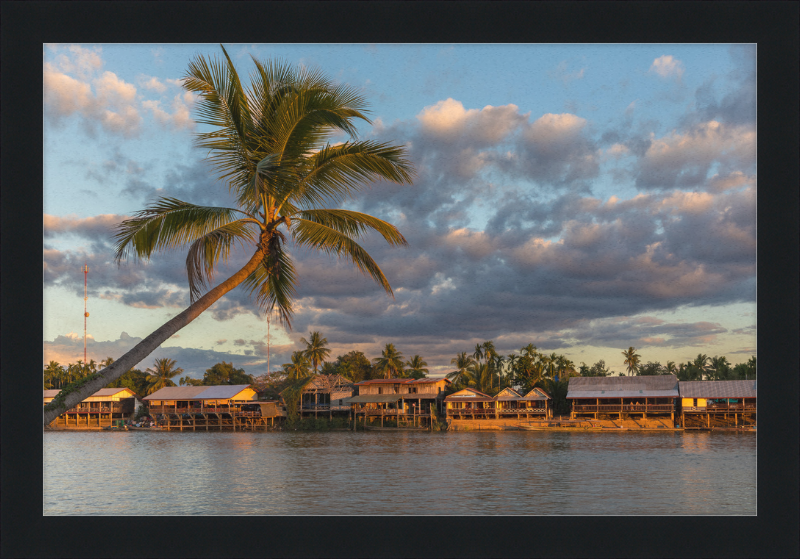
x,y
537,393
372,399
533,397
648,382
176,393
221,392
622,394
218,392
52,393
718,389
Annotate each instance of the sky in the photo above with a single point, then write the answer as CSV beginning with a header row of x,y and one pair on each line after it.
x,y
583,198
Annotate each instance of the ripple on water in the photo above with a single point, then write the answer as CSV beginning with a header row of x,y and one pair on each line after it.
x,y
384,473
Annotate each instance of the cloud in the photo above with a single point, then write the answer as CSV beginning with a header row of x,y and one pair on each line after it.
x,y
181,109
66,349
99,227
684,159
666,66
561,74
152,83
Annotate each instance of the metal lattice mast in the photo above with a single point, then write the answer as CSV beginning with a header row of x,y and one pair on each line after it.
x,y
85,314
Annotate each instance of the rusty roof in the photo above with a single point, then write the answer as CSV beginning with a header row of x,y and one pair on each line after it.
x,y
718,389
401,381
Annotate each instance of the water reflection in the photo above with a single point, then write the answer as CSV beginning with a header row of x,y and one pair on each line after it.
x,y
463,473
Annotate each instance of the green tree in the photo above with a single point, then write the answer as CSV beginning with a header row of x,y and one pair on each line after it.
x,y
53,375
270,143
650,368
479,376
461,362
225,373
670,368
161,374
300,366
355,366
390,363
189,381
599,369
719,368
557,391
631,361
700,366
328,368
136,380
316,349
416,368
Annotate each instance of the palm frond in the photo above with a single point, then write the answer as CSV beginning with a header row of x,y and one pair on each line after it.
x,y
335,173
169,223
320,237
355,224
206,252
273,284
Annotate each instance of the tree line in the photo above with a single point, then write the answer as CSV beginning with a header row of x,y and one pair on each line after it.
x,y
144,383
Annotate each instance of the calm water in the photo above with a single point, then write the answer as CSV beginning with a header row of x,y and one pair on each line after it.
x,y
384,473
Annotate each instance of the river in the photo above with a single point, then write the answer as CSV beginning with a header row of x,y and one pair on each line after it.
x,y
400,473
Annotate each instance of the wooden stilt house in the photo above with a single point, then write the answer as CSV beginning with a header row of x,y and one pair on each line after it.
x,y
706,404
207,408
470,404
98,410
407,400
325,394
537,403
619,397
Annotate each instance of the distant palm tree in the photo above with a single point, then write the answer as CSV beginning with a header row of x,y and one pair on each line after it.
x,y
671,368
631,360
416,367
479,376
461,362
161,374
529,350
719,368
53,375
390,363
478,353
299,367
270,143
700,365
316,349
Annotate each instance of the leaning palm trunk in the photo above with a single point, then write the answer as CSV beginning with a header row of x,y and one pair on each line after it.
x,y
149,344
270,144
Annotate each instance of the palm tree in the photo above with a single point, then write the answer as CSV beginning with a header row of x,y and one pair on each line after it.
x,y
478,353
479,376
299,367
390,362
461,362
529,350
671,368
269,142
719,367
53,374
161,374
416,367
316,349
700,365
631,360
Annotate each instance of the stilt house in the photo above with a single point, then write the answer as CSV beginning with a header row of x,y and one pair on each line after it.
x,y
399,398
325,393
611,397
469,404
205,407
706,404
537,402
98,410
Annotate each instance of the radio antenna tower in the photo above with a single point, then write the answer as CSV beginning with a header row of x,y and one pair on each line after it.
x,y
85,271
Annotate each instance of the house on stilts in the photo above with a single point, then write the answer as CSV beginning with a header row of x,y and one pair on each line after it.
x,y
211,408
98,410
402,400
620,397
709,404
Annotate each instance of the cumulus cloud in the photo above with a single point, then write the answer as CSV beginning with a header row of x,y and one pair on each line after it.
x,y
666,66
685,159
